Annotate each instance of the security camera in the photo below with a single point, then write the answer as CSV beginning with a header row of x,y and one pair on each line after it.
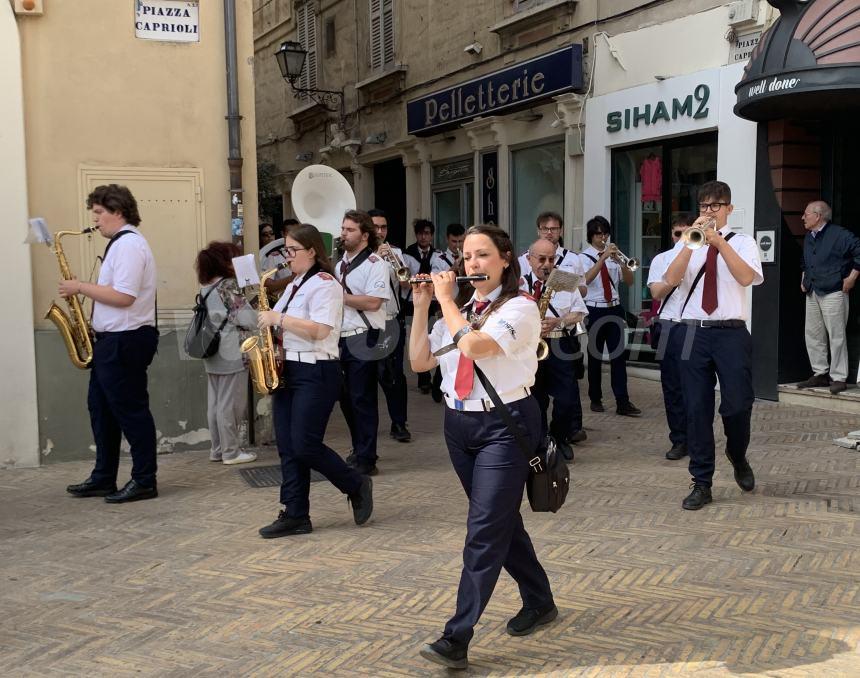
x,y
473,48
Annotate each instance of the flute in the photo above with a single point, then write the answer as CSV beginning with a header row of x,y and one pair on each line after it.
x,y
460,279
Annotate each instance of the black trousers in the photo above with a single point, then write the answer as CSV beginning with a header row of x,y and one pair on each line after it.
x,y
606,329
358,399
118,402
493,471
556,379
724,353
669,355
301,412
395,390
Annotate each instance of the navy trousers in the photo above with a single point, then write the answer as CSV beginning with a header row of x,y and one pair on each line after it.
x,y
301,411
118,401
493,472
395,392
669,355
724,353
358,401
556,378
606,329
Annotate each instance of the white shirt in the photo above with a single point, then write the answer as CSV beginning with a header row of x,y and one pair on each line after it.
x,y
565,260
271,260
731,295
448,258
437,263
561,302
369,279
128,268
516,329
320,299
595,287
670,309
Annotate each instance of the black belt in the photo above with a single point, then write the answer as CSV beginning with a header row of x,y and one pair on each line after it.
x,y
728,324
103,335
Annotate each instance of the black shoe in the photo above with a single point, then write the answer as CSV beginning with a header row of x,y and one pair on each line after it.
x,y
284,526
744,476
628,409
677,452
425,388
816,381
436,394
400,433
447,653
579,436
132,492
364,468
700,496
597,406
90,489
362,501
565,449
528,619
838,387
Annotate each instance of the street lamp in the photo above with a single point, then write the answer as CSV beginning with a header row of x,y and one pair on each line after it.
x,y
291,61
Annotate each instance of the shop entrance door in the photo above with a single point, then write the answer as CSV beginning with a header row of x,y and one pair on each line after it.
x,y
452,204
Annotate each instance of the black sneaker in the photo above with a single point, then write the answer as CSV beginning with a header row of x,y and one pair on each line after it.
x,y
597,406
628,409
400,433
700,496
527,620
284,526
579,436
565,449
744,476
447,653
677,452
362,501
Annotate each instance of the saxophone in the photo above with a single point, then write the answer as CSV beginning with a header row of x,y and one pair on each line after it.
x,y
260,349
74,328
543,306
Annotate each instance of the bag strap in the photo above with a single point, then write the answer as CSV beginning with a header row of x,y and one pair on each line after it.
x,y
203,303
533,460
698,278
351,266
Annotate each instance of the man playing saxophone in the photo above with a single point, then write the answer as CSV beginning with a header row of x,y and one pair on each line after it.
x,y
126,339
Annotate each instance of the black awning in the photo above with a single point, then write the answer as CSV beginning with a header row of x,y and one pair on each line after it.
x,y
807,65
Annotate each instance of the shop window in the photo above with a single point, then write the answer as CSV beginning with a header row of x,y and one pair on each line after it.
x,y
538,186
453,185
381,34
653,185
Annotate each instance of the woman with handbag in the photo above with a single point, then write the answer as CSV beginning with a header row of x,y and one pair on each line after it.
x,y
497,330
309,313
226,372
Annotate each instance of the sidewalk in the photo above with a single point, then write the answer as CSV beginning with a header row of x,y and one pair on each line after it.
x,y
766,583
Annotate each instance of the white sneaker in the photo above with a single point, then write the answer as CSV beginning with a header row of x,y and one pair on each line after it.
x,y
241,458
214,456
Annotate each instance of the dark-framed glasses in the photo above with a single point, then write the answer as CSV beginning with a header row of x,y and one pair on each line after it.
x,y
677,234
711,206
291,250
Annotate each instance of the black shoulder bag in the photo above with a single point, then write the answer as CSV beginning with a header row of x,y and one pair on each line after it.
x,y
203,338
549,477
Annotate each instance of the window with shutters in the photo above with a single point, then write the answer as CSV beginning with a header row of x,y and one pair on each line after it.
x,y
306,24
381,34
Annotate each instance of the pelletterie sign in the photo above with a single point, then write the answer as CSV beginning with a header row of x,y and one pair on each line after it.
x,y
167,20
514,87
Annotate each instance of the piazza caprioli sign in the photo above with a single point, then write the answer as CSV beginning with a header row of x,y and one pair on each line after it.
x,y
167,20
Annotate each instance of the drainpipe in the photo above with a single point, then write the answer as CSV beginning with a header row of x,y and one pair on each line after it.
x,y
234,157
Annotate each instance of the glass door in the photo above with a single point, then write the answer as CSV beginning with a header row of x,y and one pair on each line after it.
x,y
452,204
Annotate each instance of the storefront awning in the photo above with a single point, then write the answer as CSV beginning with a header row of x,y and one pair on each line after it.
x,y
807,65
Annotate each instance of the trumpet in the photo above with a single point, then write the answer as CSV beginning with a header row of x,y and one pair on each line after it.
x,y
694,237
400,269
417,280
630,262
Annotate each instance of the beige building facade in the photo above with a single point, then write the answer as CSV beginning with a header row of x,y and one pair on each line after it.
x,y
123,92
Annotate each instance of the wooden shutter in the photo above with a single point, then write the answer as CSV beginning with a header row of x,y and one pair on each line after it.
x,y
381,34
307,34
387,32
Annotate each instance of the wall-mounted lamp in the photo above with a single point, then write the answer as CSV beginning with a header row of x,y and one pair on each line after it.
x,y
291,61
378,138
305,156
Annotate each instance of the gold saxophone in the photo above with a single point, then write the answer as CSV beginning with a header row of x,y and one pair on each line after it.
x,y
261,348
543,306
74,328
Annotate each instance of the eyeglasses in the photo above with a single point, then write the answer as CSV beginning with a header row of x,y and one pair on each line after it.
x,y
291,251
678,234
549,229
542,259
711,206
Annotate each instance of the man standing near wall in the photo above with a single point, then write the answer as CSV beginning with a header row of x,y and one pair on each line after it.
x,y
126,338
831,264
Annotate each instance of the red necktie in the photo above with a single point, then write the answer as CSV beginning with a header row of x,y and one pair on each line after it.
x,y
709,291
607,283
344,267
536,289
465,377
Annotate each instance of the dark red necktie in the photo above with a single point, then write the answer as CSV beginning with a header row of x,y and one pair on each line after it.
x,y
709,289
607,283
465,378
344,267
537,289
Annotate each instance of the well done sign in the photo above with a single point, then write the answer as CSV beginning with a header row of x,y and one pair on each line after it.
x,y
167,20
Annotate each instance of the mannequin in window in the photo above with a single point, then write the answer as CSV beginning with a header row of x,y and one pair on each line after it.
x,y
651,176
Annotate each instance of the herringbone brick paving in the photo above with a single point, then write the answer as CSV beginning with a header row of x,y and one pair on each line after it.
x,y
766,583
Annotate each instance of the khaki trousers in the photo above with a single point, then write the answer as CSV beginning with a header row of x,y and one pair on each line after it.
x,y
826,318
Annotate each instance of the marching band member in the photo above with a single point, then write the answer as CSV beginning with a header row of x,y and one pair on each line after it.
x,y
454,235
669,354
556,375
309,314
606,322
714,313
501,334
393,385
364,277
549,227
126,339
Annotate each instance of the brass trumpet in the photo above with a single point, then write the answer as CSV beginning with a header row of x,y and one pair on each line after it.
x,y
389,255
630,262
694,237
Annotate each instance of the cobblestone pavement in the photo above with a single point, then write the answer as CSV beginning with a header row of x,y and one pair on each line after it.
x,y
766,583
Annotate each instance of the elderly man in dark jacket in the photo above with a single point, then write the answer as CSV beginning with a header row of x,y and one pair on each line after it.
x,y
831,265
